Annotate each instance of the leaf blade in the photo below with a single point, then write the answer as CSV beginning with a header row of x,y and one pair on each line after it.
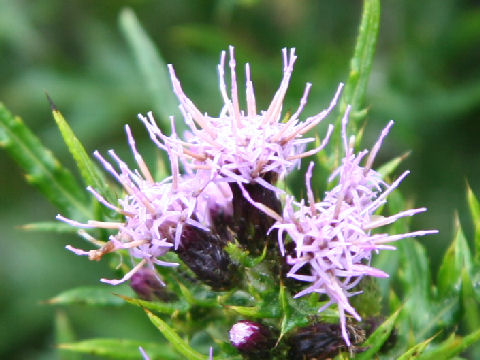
x,y
173,338
42,169
90,173
151,65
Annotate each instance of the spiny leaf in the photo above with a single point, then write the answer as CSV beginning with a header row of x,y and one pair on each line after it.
x,y
151,65
120,349
177,342
157,306
415,351
457,257
90,295
378,337
91,175
42,169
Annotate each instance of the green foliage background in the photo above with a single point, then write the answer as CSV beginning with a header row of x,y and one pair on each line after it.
x,y
425,76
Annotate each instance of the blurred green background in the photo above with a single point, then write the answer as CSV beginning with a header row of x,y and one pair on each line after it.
x,y
426,76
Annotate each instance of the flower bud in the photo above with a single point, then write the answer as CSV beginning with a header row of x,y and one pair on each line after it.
x,y
251,338
322,341
203,253
148,286
251,224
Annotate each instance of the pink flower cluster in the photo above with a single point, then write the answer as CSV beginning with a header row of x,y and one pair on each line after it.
x,y
333,238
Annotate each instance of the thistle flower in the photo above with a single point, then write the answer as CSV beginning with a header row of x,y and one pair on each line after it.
x,y
333,239
243,146
155,212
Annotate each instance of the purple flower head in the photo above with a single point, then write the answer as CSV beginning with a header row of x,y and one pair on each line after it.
x,y
243,146
333,239
155,212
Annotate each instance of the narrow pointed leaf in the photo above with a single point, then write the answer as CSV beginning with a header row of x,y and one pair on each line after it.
x,y
173,338
474,207
415,351
120,349
91,295
470,303
157,306
457,257
388,168
451,347
378,337
151,65
42,169
63,334
91,175
361,62
51,226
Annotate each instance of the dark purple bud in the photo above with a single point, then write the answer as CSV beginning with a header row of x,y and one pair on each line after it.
x,y
322,341
203,253
148,286
249,223
250,337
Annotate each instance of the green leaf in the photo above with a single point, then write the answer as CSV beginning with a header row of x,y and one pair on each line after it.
x,y
474,207
457,257
151,65
470,303
378,337
42,169
361,63
415,351
91,295
120,349
177,342
242,256
64,333
91,175
157,306
58,227
452,346
388,168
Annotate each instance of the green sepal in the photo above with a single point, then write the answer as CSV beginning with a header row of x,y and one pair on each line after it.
x,y
120,349
89,171
378,337
42,169
91,295
180,345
